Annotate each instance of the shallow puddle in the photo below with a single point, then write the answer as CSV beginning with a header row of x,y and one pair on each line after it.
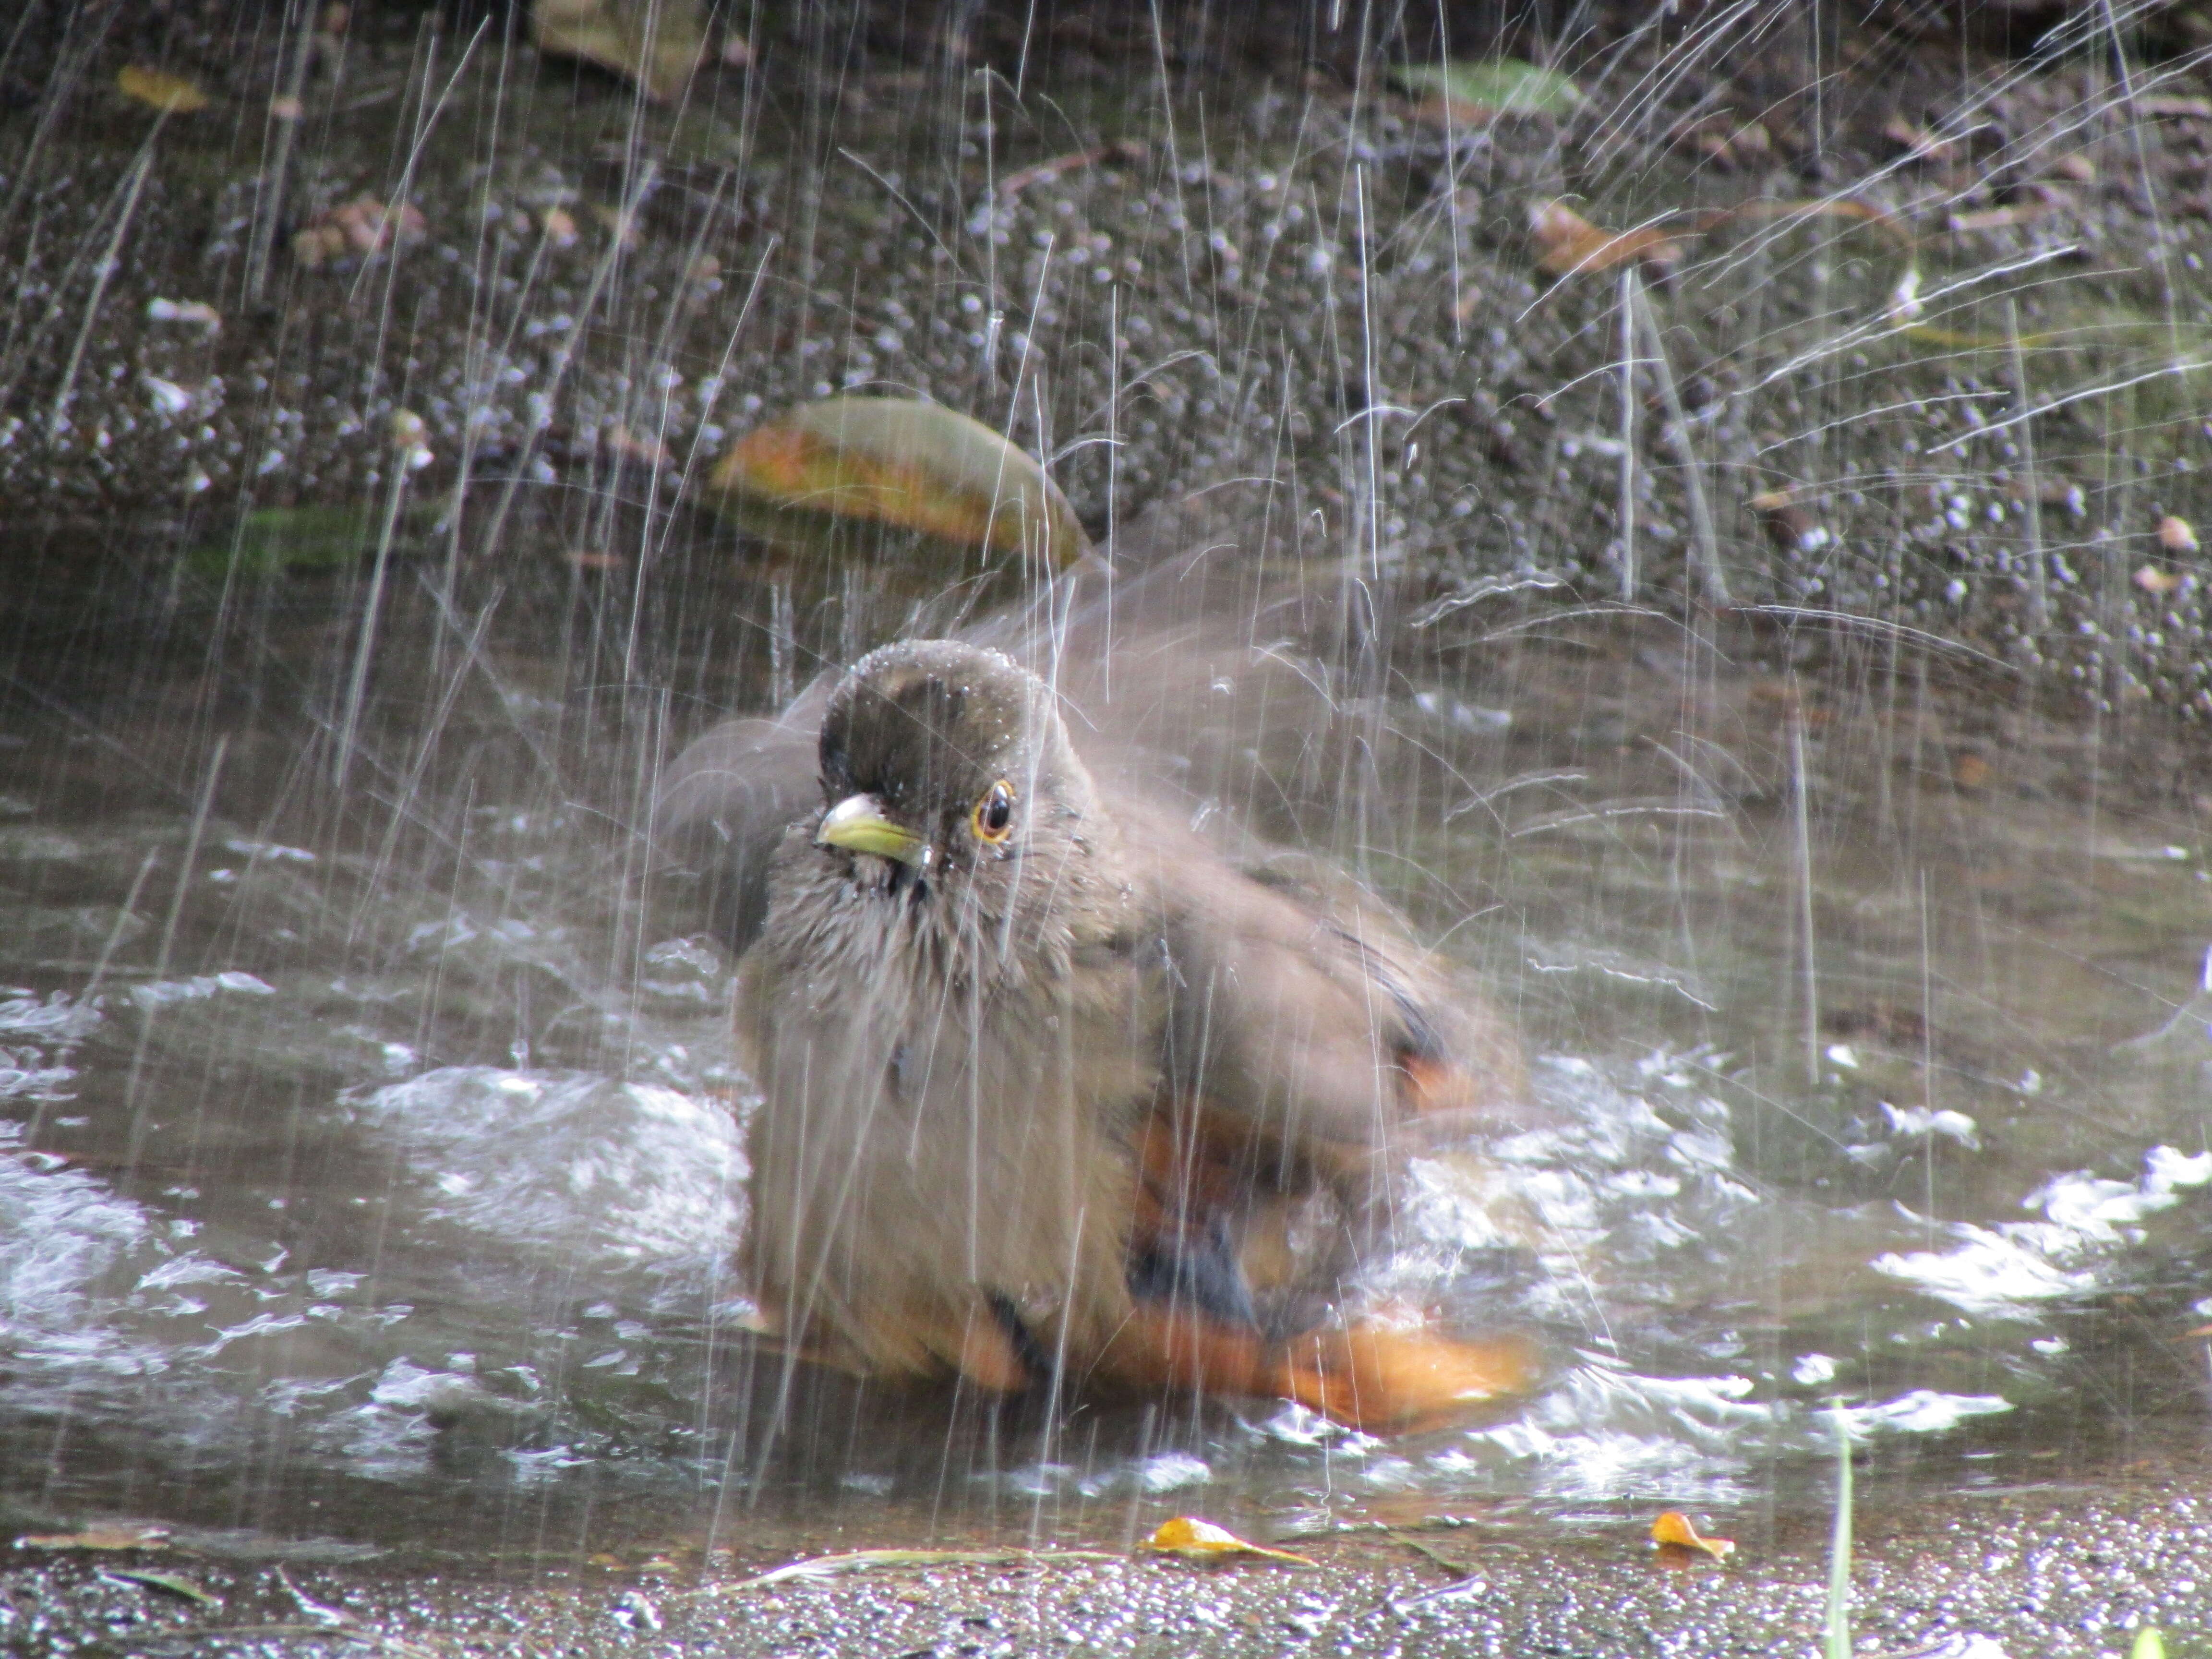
x,y
374,1154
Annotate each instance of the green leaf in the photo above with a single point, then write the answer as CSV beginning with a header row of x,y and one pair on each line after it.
x,y
168,1583
2148,1644
1501,86
270,540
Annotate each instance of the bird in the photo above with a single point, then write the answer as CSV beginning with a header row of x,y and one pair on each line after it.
x,y
1057,1088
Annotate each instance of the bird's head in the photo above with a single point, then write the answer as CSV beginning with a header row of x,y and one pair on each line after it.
x,y
945,768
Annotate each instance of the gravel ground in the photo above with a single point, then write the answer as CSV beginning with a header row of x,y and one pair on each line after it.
x,y
2062,1570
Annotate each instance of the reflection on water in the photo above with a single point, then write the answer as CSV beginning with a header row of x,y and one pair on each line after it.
x,y
390,1143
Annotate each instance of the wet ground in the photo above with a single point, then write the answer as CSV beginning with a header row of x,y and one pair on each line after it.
x,y
373,1157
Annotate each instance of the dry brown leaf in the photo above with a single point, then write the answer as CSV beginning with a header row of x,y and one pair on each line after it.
x,y
115,1535
856,1561
1121,149
172,95
1918,144
1674,1530
2183,109
1726,143
1999,218
1567,243
1194,1540
2076,168
1788,522
1970,772
363,226
2154,581
2177,535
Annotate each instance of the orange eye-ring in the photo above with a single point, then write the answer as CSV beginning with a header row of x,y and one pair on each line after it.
x,y
994,817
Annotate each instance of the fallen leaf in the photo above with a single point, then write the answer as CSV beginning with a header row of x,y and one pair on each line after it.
x,y
655,43
1997,218
1918,144
2152,580
1038,173
1728,144
1674,1530
172,95
270,540
168,1583
1481,88
1787,523
364,225
559,226
2177,535
850,1561
2077,168
1194,1540
2186,109
285,107
1567,243
1970,772
896,461
115,1536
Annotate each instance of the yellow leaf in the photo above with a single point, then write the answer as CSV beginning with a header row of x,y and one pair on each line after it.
x,y
1477,89
1201,1540
898,461
654,43
1673,1529
172,95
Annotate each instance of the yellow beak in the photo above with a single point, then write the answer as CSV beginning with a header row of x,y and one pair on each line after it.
x,y
857,823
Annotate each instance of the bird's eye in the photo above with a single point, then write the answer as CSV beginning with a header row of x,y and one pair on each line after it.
x,y
994,817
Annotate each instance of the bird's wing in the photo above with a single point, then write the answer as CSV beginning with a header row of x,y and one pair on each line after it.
x,y
726,801
1301,1007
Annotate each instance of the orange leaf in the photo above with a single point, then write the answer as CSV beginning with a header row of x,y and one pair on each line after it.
x,y
1673,1529
1201,1540
172,95
1566,242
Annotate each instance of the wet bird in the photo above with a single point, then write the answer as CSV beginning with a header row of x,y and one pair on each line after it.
x,y
1054,1089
